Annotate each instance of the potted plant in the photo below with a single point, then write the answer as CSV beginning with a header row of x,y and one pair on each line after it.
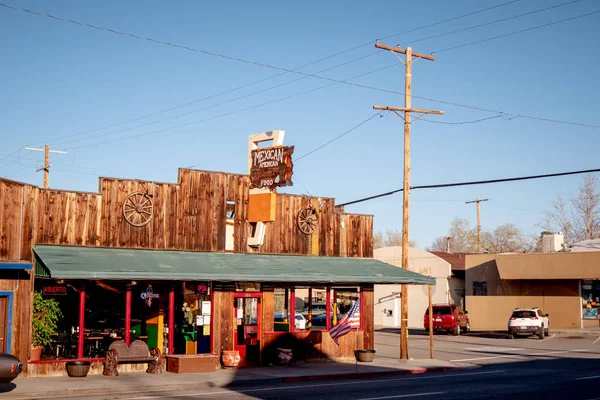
x,y
46,313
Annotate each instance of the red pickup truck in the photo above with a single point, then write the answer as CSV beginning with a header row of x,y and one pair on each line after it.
x,y
449,318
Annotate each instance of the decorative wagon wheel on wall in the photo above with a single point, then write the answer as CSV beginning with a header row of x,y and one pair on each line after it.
x,y
307,220
138,209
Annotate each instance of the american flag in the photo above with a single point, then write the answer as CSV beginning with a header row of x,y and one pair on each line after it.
x,y
350,320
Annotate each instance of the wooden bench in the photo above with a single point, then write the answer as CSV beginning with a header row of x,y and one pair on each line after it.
x,y
137,351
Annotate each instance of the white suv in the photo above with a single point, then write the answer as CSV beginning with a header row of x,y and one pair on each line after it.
x,y
527,322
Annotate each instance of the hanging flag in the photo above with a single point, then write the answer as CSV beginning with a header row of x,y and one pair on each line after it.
x,y
350,320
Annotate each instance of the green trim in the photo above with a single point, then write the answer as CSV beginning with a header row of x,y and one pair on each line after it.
x,y
71,262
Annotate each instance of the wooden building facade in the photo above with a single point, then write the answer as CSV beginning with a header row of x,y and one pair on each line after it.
x,y
203,212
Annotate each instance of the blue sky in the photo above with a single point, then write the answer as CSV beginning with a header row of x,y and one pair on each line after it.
x,y
59,79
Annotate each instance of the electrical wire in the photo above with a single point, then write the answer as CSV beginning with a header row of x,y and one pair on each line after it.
x,y
285,69
494,22
229,113
469,183
516,32
339,136
461,122
214,105
272,76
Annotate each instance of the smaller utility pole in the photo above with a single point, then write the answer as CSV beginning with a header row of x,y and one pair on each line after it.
x,y
46,167
478,222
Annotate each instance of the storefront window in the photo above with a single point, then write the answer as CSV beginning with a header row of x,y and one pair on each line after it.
x,y
343,299
590,293
281,314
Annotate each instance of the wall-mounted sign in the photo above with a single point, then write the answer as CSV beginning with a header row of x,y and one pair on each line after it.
x,y
56,290
202,288
148,295
271,167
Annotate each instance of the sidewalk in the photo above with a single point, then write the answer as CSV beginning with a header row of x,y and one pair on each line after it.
x,y
577,332
140,381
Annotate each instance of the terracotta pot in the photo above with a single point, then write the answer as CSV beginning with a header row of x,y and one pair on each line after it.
x,y
36,353
230,358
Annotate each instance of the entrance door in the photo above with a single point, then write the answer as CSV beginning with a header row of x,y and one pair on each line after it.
x,y
247,310
4,324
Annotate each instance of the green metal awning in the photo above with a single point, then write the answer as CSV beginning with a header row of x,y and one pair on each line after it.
x,y
72,262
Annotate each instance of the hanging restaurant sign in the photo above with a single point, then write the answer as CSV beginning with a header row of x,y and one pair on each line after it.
x,y
271,167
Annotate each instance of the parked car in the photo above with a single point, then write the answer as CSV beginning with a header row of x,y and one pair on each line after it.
x,y
448,318
10,367
320,321
528,322
300,321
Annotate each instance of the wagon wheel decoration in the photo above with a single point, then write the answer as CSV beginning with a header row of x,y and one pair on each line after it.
x,y
307,220
138,209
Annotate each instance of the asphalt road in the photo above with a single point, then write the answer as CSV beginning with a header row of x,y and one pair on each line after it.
x,y
553,368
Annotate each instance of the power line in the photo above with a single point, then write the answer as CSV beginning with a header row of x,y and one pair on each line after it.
x,y
469,183
461,122
231,112
285,70
339,136
494,22
516,32
255,82
214,105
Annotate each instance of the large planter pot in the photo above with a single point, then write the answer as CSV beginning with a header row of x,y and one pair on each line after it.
x,y
36,353
364,355
78,369
230,358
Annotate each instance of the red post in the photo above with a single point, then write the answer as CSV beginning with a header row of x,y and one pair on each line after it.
x,y
81,323
171,319
128,316
328,311
292,310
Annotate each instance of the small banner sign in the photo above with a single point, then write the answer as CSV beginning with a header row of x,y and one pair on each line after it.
x,y
271,167
202,288
56,290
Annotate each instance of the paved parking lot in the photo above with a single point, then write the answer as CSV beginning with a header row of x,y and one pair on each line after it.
x,y
488,348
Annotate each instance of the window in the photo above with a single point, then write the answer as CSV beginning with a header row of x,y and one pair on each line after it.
x,y
480,289
523,314
281,313
590,298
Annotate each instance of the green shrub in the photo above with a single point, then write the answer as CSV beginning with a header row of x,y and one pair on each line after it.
x,y
46,313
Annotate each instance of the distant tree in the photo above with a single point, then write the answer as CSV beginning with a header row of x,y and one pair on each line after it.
x,y
578,219
506,238
390,238
463,239
377,240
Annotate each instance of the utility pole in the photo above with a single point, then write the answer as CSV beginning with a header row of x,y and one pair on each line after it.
x,y
407,109
478,222
46,167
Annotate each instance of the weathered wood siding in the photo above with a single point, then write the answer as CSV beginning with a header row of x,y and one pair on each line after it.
x,y
283,236
353,235
11,200
69,218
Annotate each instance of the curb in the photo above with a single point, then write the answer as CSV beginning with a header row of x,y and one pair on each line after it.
x,y
61,393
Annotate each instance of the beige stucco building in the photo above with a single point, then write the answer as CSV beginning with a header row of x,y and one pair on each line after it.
x,y
565,285
387,297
